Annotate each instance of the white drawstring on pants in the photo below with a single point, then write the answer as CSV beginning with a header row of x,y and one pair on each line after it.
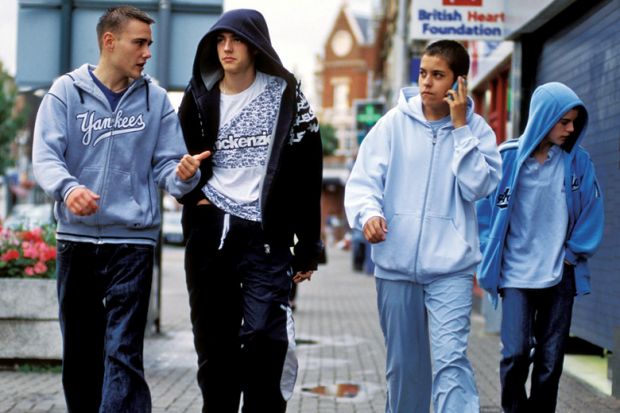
x,y
225,228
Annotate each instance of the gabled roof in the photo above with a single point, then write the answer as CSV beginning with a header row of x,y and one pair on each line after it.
x,y
366,28
361,26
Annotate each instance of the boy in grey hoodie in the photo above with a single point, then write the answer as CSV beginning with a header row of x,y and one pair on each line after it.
x,y
105,139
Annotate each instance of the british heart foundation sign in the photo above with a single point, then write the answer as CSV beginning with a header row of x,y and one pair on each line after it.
x,y
457,19
462,2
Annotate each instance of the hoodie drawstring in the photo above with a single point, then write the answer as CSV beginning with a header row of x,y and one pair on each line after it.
x,y
148,106
146,85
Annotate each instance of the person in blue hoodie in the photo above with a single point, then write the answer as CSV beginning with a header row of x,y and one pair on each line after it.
x,y
259,195
412,191
538,230
105,138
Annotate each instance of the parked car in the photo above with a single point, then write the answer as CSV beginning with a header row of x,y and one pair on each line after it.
x,y
172,231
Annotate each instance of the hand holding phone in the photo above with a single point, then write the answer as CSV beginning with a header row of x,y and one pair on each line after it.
x,y
458,103
455,87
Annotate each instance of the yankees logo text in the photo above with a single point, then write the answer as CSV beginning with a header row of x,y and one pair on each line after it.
x,y
113,125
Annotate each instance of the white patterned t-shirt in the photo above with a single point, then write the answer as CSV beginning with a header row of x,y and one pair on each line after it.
x,y
247,122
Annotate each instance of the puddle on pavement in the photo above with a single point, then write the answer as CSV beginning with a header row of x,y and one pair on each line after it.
x,y
335,341
305,342
347,390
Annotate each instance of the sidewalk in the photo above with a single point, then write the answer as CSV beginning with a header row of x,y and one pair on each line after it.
x,y
340,343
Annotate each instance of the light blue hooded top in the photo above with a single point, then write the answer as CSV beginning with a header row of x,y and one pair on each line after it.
x,y
538,215
425,184
584,201
122,155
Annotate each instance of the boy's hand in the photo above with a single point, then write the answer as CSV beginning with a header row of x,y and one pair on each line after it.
x,y
189,164
457,100
375,230
302,276
82,201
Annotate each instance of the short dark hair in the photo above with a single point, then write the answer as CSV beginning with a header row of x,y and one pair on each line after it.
x,y
453,53
115,18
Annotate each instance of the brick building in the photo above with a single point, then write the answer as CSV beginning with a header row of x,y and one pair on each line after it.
x,y
346,74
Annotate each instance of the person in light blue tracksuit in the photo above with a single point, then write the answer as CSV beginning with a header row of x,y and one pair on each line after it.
x,y
538,230
412,191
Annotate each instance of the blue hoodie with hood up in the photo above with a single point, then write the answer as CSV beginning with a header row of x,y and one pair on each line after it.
x,y
550,102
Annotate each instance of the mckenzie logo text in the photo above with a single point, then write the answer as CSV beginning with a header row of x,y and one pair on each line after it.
x,y
233,142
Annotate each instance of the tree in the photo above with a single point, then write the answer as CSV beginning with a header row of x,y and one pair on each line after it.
x,y
10,121
328,138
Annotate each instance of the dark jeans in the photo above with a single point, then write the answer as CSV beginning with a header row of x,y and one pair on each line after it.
x,y
239,310
535,329
103,292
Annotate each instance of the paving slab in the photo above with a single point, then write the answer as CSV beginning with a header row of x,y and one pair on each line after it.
x,y
340,349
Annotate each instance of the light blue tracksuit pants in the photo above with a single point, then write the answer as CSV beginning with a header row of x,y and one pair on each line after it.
x,y
408,312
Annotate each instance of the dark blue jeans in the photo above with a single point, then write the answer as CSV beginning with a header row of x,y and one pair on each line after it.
x,y
535,329
103,292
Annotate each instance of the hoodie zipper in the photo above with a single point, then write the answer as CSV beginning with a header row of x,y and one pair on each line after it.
x,y
132,88
105,102
104,184
428,179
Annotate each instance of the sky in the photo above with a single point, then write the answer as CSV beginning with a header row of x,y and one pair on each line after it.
x,y
298,30
8,34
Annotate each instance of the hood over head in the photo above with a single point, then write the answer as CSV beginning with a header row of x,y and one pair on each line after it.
x,y
249,25
549,103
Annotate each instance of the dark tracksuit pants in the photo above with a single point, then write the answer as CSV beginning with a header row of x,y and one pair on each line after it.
x,y
238,287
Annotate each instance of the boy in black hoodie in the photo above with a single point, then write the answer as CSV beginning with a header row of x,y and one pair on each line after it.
x,y
259,191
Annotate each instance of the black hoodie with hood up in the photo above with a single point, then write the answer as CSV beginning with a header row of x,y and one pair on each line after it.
x,y
291,191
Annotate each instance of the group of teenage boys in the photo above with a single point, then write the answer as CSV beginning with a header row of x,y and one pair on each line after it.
x,y
244,157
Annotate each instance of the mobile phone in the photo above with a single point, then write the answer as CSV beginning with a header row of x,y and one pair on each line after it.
x,y
455,87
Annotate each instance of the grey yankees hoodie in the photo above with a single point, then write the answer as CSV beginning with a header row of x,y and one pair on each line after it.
x,y
122,155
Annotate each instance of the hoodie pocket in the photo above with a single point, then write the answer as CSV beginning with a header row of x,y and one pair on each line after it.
x,y
442,248
119,205
397,252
